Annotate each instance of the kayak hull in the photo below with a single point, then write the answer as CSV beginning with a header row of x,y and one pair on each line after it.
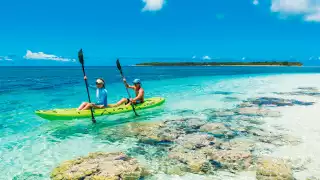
x,y
72,113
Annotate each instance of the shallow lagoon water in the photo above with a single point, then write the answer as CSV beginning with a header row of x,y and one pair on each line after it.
x,y
30,147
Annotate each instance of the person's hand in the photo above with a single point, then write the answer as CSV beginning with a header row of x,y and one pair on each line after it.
x,y
132,100
124,80
85,77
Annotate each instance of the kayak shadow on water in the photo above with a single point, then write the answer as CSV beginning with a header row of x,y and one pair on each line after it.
x,y
79,128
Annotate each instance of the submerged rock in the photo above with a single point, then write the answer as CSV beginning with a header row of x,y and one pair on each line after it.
x,y
275,139
285,139
213,113
195,123
257,120
299,164
228,98
153,133
111,166
194,161
217,129
186,124
197,140
173,167
271,101
245,104
273,169
158,136
272,138
239,144
222,92
255,111
232,160
224,113
309,89
206,158
137,128
259,132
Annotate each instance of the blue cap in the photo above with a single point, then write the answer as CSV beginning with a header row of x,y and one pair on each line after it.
x,y
136,81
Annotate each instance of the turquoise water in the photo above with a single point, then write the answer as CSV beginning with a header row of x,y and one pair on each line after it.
x,y
30,147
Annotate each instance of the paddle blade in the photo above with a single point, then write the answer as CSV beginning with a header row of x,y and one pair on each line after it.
x,y
80,56
118,65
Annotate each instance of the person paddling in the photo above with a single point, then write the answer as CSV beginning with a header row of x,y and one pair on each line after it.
x,y
139,91
101,95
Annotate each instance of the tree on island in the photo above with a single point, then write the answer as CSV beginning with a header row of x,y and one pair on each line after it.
x,y
266,63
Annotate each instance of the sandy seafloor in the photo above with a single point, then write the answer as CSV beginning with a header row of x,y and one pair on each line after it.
x,y
30,147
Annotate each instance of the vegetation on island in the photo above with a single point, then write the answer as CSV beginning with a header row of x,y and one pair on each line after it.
x,y
266,63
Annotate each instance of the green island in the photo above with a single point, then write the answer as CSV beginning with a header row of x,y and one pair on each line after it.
x,y
266,63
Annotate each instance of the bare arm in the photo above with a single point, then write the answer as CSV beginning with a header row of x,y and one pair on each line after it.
x,y
90,86
127,85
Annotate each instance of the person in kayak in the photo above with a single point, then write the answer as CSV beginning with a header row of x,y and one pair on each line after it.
x,y
139,91
101,95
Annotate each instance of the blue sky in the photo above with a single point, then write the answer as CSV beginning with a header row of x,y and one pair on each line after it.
x,y
51,32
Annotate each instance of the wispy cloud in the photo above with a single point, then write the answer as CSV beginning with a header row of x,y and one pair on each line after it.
x,y
43,56
206,58
5,58
308,9
255,2
153,5
314,58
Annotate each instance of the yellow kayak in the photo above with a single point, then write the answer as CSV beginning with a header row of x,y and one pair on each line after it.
x,y
72,113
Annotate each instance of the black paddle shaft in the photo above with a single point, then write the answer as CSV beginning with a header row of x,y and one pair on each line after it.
x,y
81,59
120,69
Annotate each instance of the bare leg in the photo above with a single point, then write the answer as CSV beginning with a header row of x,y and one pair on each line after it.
x,y
87,106
82,105
122,101
129,104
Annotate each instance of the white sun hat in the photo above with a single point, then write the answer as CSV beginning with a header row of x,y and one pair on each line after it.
x,y
99,81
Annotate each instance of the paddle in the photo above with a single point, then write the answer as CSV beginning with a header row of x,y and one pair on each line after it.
x,y
81,60
120,69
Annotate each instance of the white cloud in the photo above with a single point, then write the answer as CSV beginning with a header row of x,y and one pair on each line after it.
x,y
244,58
255,2
43,56
309,9
153,5
206,58
193,57
314,58
313,16
5,58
